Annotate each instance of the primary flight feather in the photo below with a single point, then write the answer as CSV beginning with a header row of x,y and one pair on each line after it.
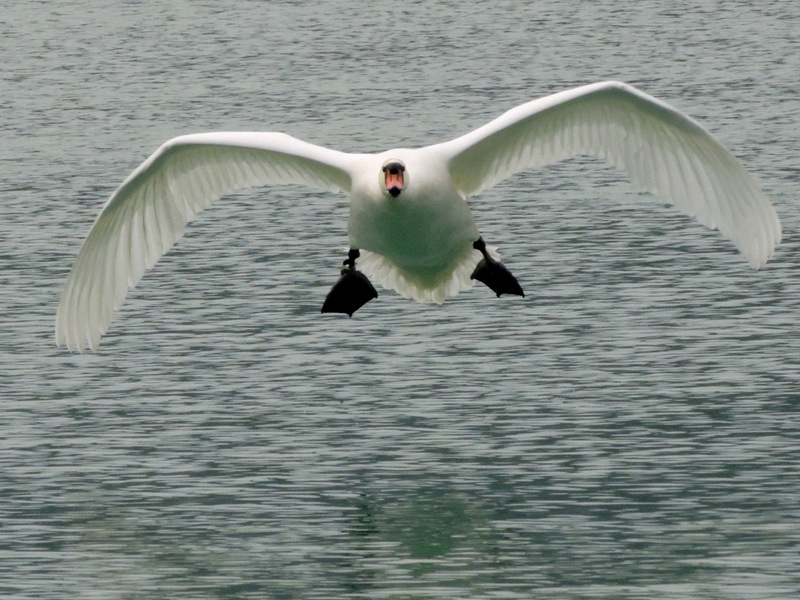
x,y
410,227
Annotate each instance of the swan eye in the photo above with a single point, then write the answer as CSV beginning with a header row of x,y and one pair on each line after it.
x,y
394,168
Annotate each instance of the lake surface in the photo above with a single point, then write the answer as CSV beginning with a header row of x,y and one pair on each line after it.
x,y
630,429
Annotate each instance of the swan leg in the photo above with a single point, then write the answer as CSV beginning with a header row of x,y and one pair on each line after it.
x,y
352,291
494,274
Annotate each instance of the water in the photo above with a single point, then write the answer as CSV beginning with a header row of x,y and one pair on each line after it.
x,y
629,430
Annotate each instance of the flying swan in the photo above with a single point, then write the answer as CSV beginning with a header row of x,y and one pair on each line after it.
x,y
410,228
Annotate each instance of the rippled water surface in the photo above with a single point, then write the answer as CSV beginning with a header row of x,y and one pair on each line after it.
x,y
630,429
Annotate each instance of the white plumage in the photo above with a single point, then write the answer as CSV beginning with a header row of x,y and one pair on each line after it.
x,y
419,243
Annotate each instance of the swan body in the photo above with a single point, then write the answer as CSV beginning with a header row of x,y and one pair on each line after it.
x,y
408,212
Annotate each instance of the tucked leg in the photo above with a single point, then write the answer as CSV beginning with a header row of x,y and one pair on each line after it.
x,y
494,273
352,291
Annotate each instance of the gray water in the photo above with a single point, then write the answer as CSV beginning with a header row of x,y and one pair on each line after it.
x,y
630,429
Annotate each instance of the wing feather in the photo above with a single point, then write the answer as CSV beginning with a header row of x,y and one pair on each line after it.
x,y
148,213
662,150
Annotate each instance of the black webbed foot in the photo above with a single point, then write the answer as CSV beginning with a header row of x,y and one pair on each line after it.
x,y
351,292
494,274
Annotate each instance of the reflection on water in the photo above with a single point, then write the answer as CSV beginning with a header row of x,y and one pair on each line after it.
x,y
628,430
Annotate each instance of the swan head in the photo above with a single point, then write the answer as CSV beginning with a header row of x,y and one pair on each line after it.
x,y
394,178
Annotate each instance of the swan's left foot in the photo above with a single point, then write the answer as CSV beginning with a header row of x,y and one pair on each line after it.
x,y
352,291
494,273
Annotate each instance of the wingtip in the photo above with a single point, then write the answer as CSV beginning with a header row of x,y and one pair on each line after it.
x,y
73,343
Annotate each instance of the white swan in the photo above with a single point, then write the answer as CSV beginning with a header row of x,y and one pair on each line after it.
x,y
408,213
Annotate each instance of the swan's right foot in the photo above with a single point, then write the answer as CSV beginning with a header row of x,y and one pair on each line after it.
x,y
352,291
494,274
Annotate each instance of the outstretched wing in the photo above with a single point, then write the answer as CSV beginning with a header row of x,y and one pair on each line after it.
x,y
662,150
147,214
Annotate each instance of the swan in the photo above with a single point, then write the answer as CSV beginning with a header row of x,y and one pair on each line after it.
x,y
409,225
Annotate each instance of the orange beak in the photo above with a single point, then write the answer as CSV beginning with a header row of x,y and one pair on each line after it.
x,y
394,182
